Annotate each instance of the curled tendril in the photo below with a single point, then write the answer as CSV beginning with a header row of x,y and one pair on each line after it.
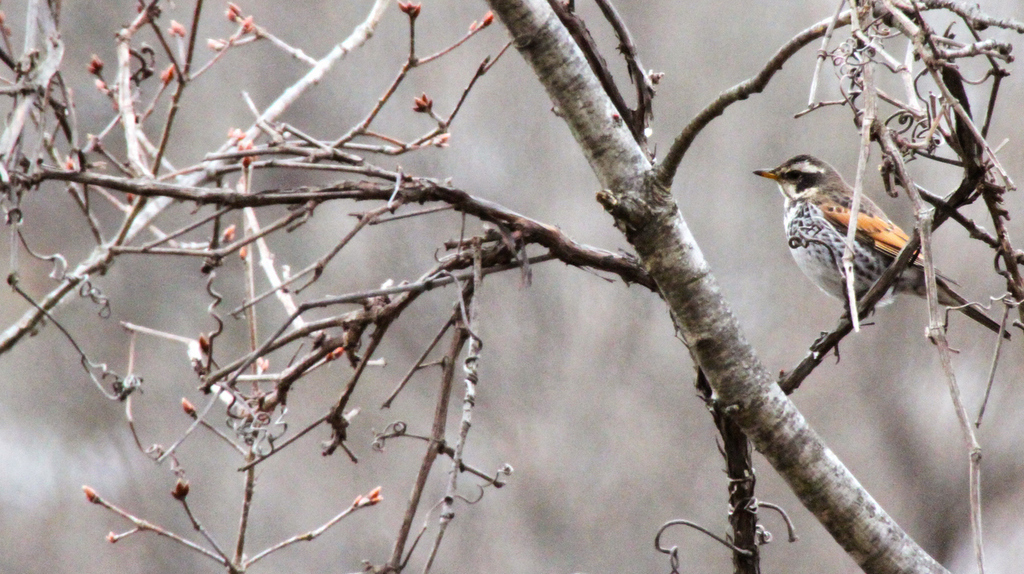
x,y
848,61
120,388
258,428
798,241
14,216
880,31
126,386
673,551
922,131
211,310
60,265
87,290
902,121
917,88
146,57
395,429
807,234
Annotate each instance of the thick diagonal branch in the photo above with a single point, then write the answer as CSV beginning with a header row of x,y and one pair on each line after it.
x,y
649,217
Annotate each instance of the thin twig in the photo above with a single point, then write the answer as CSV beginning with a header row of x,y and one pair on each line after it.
x,y
198,527
282,446
937,334
360,502
694,525
992,367
142,525
867,125
469,366
822,54
398,557
247,494
417,365
666,170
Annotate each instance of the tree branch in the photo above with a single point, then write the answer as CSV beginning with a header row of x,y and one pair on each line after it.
x,y
666,171
646,213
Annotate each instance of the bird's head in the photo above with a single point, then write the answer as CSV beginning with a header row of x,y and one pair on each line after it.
x,y
805,177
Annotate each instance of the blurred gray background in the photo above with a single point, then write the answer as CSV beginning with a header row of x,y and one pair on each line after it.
x,y
584,389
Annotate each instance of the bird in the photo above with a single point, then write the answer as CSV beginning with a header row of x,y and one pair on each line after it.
x,y
817,215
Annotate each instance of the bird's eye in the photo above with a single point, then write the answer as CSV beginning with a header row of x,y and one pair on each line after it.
x,y
790,175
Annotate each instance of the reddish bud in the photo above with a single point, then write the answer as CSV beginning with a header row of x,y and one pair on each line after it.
x,y
375,496
167,75
111,537
370,499
413,10
90,494
247,25
204,344
245,145
488,19
188,407
180,490
337,353
176,29
69,165
422,104
102,86
236,134
233,12
95,65
129,197
442,140
243,252
229,233
262,365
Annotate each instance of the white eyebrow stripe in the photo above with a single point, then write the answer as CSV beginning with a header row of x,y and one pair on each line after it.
x,y
807,167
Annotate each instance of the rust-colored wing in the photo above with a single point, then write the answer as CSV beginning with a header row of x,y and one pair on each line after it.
x,y
886,235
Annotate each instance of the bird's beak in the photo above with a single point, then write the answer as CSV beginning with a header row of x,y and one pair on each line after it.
x,y
770,174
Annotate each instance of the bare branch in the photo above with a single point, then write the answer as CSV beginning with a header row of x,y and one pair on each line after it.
x,y
670,163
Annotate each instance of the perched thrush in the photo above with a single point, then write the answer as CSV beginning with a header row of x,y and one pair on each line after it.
x,y
817,216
